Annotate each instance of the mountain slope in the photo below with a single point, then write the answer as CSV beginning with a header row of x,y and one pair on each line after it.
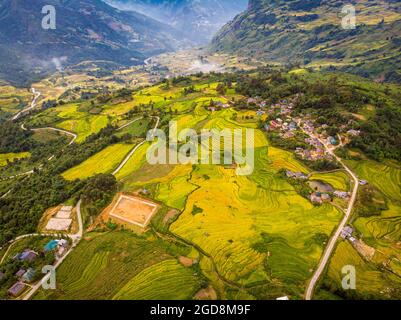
x,y
85,30
198,19
310,33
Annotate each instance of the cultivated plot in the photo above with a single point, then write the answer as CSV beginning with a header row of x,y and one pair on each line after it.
x,y
133,210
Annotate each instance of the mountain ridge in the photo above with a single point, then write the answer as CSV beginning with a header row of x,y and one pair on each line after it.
x,y
85,30
310,33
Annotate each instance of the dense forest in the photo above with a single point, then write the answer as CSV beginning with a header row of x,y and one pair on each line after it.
x,y
31,195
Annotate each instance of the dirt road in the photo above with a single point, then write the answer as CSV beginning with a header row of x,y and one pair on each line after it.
x,y
332,243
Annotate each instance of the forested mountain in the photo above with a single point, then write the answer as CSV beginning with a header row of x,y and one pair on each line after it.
x,y
198,19
85,30
310,32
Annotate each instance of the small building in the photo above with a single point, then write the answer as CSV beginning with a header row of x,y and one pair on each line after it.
x,y
353,132
342,194
20,273
51,245
332,140
347,232
292,126
29,275
28,255
61,251
63,243
252,101
363,182
16,289
325,197
285,298
296,175
352,239
315,198
2,275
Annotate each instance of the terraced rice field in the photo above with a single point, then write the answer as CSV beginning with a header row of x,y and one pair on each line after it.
x,y
167,280
370,281
104,264
380,232
338,180
385,177
103,162
223,218
13,99
10,157
84,127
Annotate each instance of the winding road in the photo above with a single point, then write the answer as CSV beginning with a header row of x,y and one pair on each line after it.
x,y
73,135
332,243
32,106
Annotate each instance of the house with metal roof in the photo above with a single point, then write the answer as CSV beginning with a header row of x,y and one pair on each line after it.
x,y
16,289
51,245
29,275
28,255
20,273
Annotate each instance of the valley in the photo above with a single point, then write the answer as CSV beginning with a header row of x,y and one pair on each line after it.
x,y
79,191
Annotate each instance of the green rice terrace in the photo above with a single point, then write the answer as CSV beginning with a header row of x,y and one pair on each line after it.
x,y
259,236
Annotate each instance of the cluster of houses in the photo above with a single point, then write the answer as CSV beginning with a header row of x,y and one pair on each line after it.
x,y
296,175
217,105
318,197
312,155
286,128
27,276
321,197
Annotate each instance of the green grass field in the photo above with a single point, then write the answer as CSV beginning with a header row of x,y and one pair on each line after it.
x,y
103,162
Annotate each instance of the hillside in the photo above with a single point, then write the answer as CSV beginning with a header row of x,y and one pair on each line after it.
x,y
199,20
85,30
310,33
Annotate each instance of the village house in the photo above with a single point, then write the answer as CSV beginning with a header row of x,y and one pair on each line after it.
x,y
50,246
332,141
275,125
325,197
20,273
28,255
315,198
292,126
29,275
342,194
347,232
363,182
296,175
252,101
287,135
260,113
16,289
353,132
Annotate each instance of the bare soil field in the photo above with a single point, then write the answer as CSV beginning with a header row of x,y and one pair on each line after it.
x,y
130,210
